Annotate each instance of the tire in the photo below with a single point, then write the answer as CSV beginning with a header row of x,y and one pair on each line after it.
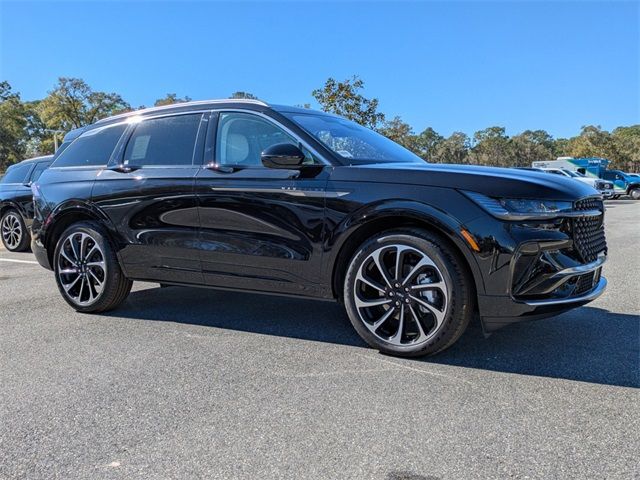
x,y
87,271
635,193
14,232
426,259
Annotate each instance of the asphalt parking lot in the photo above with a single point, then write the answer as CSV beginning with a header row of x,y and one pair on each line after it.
x,y
195,383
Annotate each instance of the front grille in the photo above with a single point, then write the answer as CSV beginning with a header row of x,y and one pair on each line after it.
x,y
584,283
588,232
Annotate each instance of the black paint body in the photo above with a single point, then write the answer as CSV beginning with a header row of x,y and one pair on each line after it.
x,y
286,232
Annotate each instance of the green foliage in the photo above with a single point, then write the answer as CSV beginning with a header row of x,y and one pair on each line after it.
x,y
245,95
73,104
13,123
454,149
170,99
400,132
343,98
427,143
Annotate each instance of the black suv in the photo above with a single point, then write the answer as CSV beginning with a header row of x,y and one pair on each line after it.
x,y
244,195
16,207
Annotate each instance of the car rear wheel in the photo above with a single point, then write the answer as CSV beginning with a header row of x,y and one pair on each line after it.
x,y
87,270
406,293
15,236
635,193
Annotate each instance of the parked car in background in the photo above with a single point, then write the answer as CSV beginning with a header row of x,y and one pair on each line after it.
x,y
596,167
16,206
247,196
604,187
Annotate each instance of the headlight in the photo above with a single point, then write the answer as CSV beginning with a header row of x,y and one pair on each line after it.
x,y
520,208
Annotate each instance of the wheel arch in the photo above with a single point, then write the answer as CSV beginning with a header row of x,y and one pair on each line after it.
x,y
68,214
355,231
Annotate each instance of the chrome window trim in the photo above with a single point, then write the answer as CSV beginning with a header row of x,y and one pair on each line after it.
x,y
184,104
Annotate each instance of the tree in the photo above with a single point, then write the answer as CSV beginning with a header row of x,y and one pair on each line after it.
x,y
400,132
454,149
13,123
73,104
241,95
492,147
592,142
343,98
626,142
170,99
426,143
530,146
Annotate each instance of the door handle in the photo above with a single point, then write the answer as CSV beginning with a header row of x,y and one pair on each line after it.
x,y
124,168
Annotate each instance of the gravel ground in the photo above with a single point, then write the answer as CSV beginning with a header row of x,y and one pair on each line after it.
x,y
194,383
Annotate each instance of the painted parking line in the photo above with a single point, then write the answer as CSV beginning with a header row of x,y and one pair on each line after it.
x,y
18,261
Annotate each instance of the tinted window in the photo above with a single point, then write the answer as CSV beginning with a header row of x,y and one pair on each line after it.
x,y
163,141
92,148
609,176
40,167
17,174
242,137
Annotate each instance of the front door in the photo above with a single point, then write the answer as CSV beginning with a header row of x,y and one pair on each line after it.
x,y
261,228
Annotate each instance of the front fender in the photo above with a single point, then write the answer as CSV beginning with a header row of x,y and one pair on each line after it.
x,y
395,212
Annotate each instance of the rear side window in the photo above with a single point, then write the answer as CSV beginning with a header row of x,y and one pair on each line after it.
x,y
40,167
17,174
163,141
92,148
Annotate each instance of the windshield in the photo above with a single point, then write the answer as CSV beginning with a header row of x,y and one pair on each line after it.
x,y
572,174
351,141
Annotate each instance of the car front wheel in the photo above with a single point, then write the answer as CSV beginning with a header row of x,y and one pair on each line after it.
x,y
635,193
87,270
407,294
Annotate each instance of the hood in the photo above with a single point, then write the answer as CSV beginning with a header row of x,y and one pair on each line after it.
x,y
491,181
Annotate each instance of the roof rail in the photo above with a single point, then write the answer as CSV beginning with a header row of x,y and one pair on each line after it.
x,y
183,104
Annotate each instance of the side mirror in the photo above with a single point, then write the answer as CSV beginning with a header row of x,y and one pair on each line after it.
x,y
282,155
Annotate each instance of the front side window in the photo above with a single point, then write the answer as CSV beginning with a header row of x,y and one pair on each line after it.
x,y
350,140
93,148
17,174
166,141
241,138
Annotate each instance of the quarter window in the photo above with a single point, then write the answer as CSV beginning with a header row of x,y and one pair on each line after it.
x,y
40,167
242,137
163,141
92,148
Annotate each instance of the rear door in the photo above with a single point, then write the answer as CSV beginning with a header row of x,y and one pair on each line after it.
x,y
148,193
261,228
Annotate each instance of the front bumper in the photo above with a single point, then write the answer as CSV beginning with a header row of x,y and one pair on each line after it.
x,y
508,311
566,289
537,270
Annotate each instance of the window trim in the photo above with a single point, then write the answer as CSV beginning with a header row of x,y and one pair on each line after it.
x,y
134,121
209,159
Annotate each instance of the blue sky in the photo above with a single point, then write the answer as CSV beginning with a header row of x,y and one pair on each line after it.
x,y
449,65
